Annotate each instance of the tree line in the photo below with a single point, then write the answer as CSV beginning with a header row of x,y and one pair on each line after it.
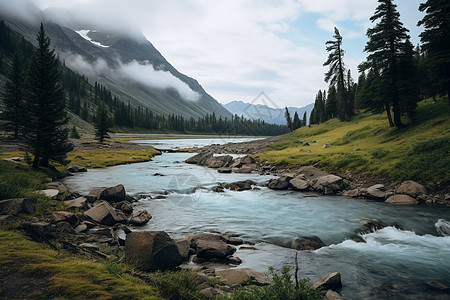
x,y
395,75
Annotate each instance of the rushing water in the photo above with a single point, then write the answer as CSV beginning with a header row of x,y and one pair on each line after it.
x,y
392,264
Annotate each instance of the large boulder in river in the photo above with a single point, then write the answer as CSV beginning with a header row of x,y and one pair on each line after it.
x,y
281,183
199,159
411,188
307,243
329,282
328,184
239,185
76,169
140,218
401,200
219,161
151,250
243,276
211,246
103,213
299,183
16,206
377,192
112,194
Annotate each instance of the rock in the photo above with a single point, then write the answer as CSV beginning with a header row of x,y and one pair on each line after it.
x,y
140,218
151,250
246,169
199,159
121,216
239,185
232,240
62,189
113,194
307,243
443,227
51,193
328,184
88,246
351,193
332,295
325,146
401,200
281,183
16,159
65,216
247,160
103,213
76,169
329,282
377,192
299,183
311,172
219,161
80,157
224,170
411,188
243,276
233,260
369,226
80,202
218,189
16,206
218,249
125,207
81,228
437,286
183,245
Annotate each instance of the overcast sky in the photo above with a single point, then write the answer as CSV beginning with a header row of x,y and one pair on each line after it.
x,y
239,48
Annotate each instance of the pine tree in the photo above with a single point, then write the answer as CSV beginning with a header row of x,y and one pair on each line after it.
x,y
331,103
45,126
435,41
408,81
102,124
296,123
385,46
336,75
12,95
304,119
288,119
74,133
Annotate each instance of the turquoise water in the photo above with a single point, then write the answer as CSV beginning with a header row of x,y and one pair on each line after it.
x,y
378,269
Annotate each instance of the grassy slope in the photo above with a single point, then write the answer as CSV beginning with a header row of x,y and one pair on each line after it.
x,y
369,146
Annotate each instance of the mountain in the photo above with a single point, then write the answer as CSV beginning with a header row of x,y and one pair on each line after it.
x,y
126,63
266,113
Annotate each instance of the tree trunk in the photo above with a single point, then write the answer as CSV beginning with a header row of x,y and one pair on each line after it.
x,y
36,159
388,111
396,109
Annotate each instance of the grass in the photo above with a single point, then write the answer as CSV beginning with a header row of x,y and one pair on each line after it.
x,y
367,145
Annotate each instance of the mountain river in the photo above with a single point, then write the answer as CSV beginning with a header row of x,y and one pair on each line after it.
x,y
392,264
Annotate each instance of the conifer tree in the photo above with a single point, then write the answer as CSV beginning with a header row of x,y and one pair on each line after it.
x,y
304,119
385,44
102,124
12,96
435,41
336,75
296,123
331,103
45,129
287,115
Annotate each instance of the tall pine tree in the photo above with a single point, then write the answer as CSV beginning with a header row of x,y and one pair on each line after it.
x,y
385,45
12,98
102,124
435,41
45,128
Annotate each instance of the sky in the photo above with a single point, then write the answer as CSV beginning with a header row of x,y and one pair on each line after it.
x,y
238,49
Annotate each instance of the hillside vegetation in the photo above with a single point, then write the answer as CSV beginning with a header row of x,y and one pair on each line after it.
x,y
367,145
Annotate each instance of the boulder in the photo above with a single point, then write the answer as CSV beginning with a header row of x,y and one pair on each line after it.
x,y
299,183
307,243
224,170
246,169
247,160
125,207
219,161
80,202
76,169
103,213
151,250
311,172
332,295
184,246
402,200
218,189
199,159
351,193
140,218
239,185
369,226
16,206
213,249
329,282
377,192
411,188
113,194
328,184
243,276
443,227
62,189
281,183
65,216
325,146
51,193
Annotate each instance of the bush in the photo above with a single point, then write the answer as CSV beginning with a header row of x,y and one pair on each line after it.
x,y
283,288
176,285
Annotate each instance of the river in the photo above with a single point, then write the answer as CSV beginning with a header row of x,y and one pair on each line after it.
x,y
392,264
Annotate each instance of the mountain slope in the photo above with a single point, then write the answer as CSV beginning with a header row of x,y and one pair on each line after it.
x,y
266,113
127,64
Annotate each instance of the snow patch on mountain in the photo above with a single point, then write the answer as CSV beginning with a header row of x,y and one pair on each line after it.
x,y
84,34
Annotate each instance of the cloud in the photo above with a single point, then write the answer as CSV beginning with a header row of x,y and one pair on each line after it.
x,y
142,73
